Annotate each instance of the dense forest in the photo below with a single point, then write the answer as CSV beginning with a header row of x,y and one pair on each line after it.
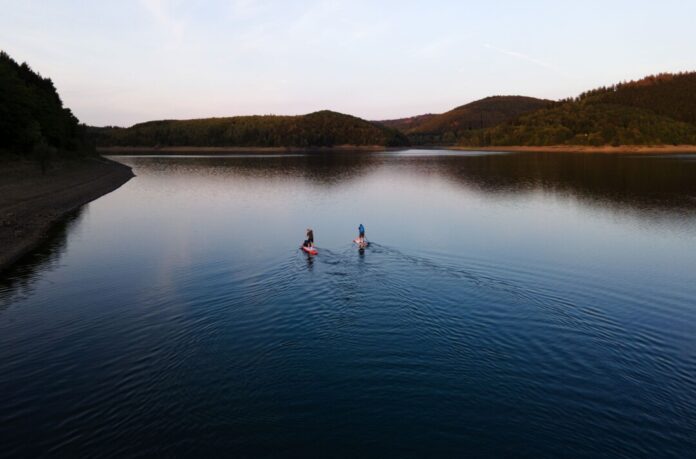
x,y
406,124
572,123
659,109
666,94
656,110
33,121
447,128
319,129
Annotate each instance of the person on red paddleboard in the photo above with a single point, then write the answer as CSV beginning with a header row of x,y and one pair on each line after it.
x,y
310,238
361,231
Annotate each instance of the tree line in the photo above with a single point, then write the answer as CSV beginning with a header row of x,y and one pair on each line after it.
x,y
319,129
572,123
659,109
33,121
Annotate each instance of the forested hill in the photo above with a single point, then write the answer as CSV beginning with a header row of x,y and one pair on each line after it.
x,y
667,94
33,121
447,128
657,110
406,124
319,129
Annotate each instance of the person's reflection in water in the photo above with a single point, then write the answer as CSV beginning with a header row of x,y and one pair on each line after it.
x,y
361,254
310,262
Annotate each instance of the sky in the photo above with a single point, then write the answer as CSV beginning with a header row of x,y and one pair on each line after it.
x,y
128,61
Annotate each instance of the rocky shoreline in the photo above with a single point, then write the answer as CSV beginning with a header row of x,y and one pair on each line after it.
x,y
31,202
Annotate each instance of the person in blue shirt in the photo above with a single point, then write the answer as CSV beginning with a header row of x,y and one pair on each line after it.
x,y
361,230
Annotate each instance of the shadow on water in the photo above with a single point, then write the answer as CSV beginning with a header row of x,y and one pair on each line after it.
x,y
617,181
325,169
628,182
18,280
645,185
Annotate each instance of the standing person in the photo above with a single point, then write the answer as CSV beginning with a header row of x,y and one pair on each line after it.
x,y
310,238
361,231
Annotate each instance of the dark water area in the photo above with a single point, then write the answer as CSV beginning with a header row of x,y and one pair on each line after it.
x,y
525,305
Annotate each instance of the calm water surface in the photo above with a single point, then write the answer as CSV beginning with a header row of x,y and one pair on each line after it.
x,y
523,305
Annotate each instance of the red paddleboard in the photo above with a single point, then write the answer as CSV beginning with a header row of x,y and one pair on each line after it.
x,y
310,250
361,244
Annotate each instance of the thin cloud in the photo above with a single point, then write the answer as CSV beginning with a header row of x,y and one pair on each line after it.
x,y
160,12
527,58
247,9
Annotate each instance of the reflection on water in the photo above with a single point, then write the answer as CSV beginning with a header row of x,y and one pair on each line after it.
x,y
633,181
644,183
17,281
534,305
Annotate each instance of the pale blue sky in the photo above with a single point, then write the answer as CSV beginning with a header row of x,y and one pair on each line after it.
x,y
122,62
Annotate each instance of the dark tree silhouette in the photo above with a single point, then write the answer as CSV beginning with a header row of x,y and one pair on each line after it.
x,y
33,120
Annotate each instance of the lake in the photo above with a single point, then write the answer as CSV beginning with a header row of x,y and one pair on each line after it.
x,y
527,305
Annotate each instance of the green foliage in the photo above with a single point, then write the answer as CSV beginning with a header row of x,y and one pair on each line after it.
x,y
657,110
672,95
319,129
32,116
578,123
406,124
446,128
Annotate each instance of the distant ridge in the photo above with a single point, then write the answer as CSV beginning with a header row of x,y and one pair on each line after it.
x,y
448,127
666,94
406,124
319,129
656,110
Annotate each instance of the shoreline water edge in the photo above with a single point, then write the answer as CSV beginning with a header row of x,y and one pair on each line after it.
x,y
184,150
32,201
